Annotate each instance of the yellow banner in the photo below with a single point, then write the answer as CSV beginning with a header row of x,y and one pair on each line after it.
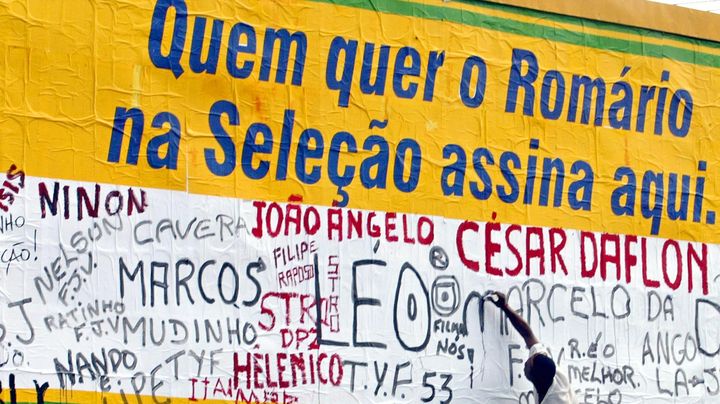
x,y
468,111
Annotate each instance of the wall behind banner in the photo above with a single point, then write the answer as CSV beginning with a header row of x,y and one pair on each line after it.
x,y
306,201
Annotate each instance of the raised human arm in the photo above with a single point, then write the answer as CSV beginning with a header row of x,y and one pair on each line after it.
x,y
522,327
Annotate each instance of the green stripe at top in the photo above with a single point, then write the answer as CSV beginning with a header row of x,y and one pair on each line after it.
x,y
584,22
474,19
